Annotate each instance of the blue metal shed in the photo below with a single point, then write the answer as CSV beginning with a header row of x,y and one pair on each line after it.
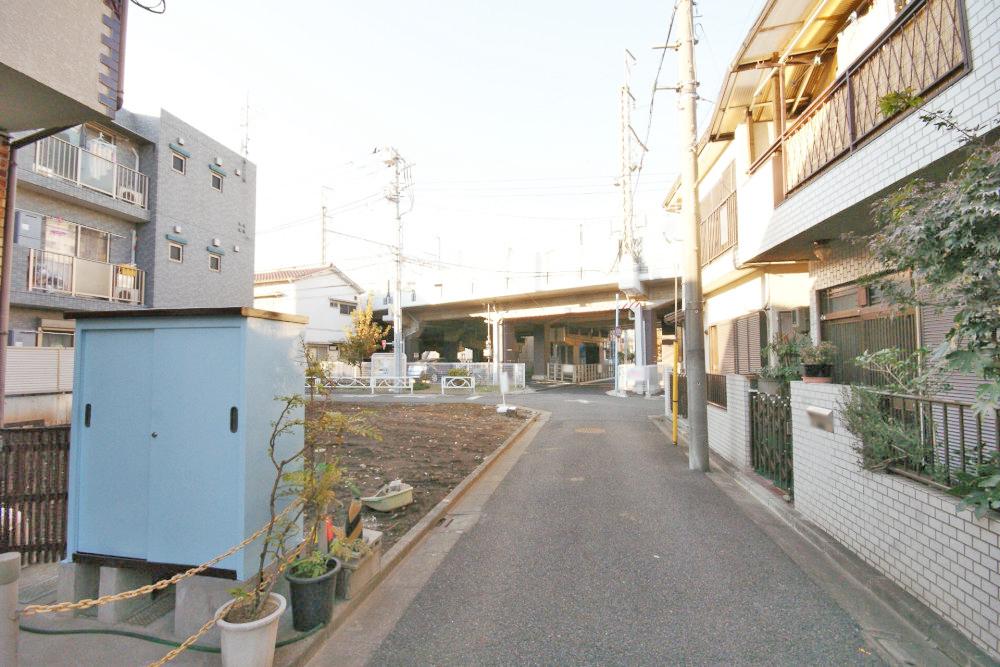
x,y
172,411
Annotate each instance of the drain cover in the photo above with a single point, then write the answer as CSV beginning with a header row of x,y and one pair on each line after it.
x,y
589,429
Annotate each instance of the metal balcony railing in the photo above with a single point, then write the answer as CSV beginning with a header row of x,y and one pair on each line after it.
x,y
61,159
74,276
925,47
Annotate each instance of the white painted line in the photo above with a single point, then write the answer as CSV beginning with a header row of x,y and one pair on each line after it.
x,y
578,400
474,398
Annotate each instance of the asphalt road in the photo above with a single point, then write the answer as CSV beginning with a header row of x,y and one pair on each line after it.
x,y
599,546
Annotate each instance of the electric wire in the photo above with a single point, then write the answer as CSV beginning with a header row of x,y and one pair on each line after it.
x,y
652,100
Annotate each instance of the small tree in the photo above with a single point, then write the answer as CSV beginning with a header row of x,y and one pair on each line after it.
x,y
946,236
364,337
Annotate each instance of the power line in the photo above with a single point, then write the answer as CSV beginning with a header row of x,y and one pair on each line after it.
x,y
652,99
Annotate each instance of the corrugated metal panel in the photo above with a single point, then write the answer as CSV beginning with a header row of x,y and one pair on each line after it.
x,y
39,370
933,327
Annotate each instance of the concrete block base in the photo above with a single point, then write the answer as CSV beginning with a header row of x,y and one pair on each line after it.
x,y
198,598
77,582
117,580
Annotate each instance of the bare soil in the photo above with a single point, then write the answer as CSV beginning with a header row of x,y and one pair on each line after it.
x,y
433,447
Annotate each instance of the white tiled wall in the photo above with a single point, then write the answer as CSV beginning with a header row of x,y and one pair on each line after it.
x,y
906,530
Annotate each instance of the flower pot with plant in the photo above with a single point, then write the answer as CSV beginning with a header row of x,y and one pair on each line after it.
x,y
248,624
312,581
817,362
783,351
361,564
773,379
313,577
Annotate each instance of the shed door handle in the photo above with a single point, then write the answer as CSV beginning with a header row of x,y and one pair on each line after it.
x,y
86,415
234,419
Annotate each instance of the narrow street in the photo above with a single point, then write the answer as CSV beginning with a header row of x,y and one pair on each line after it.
x,y
597,546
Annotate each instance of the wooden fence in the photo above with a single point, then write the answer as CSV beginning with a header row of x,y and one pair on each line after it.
x,y
34,480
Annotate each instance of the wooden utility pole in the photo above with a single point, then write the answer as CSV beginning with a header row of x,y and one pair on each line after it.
x,y
694,335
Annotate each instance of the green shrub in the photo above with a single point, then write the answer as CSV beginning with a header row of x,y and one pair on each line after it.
x,y
458,373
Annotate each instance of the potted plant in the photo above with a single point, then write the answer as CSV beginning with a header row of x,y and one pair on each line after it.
x,y
817,362
360,564
312,582
312,577
771,379
248,624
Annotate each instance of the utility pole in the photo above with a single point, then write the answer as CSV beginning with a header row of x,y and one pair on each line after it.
x,y
322,235
625,173
400,182
694,337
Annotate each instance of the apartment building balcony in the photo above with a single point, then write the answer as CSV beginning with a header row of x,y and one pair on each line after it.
x,y
51,273
920,53
62,161
831,160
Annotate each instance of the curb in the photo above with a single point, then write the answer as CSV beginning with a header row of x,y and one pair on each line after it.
x,y
414,535
931,640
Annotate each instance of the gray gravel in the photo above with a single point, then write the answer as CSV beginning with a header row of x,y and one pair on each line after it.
x,y
603,548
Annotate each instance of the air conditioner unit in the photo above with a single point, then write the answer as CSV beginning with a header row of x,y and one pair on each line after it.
x,y
129,195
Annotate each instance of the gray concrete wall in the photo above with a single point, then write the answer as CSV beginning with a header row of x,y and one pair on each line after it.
x,y
188,201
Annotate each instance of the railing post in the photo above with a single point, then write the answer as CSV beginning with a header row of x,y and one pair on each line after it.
x,y
10,570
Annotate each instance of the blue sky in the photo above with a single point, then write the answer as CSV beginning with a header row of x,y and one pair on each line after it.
x,y
508,110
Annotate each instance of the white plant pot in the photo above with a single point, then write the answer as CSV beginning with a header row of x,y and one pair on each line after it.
x,y
251,644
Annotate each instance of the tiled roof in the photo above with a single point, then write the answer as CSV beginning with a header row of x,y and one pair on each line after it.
x,y
298,273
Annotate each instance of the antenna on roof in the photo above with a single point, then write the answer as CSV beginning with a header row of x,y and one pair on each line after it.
x,y
245,125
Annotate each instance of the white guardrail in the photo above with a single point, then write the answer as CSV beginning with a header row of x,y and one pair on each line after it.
x,y
371,384
458,382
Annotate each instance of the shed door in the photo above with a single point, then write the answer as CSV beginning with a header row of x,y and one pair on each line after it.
x,y
114,450
195,461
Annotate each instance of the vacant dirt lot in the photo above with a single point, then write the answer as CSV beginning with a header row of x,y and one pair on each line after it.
x,y
431,446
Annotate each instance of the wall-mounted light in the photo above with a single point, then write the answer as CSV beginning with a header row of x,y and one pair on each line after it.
x,y
236,248
218,161
822,249
216,242
180,141
177,229
238,172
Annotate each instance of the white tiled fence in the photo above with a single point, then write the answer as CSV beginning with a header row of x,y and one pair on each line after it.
x,y
910,532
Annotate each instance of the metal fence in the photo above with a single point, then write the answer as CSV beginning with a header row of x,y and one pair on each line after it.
x,y
938,439
58,158
771,438
716,390
925,47
34,479
579,372
433,371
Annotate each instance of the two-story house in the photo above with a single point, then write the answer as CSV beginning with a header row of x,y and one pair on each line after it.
x,y
323,293
798,139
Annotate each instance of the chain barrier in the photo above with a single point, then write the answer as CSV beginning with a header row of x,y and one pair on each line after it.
x,y
186,644
34,609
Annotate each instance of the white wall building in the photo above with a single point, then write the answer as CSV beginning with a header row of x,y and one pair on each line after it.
x,y
324,294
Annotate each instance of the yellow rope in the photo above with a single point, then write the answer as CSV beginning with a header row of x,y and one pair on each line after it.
x,y
33,609
222,612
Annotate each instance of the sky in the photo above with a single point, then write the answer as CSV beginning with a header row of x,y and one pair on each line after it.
x,y
508,112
